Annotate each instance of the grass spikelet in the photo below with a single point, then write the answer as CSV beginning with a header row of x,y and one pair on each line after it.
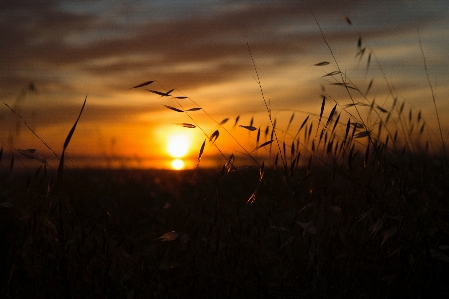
x,y
388,117
227,167
329,147
348,125
365,161
321,136
309,133
236,121
186,125
170,236
249,128
321,63
381,109
368,61
369,86
261,171
335,123
263,144
303,123
336,148
347,20
214,136
173,108
302,126
223,121
355,126
162,94
321,114
201,152
379,128
360,53
292,149
401,108
290,122
258,137
422,128
284,149
362,134
143,84
331,74
329,119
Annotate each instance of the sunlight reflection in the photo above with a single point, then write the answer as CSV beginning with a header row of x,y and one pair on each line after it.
x,y
177,164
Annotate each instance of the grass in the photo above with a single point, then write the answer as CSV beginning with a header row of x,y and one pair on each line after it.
x,y
350,203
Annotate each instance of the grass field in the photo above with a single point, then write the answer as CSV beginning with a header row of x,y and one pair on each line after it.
x,y
355,205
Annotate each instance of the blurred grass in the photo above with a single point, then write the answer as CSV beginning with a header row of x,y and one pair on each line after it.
x,y
227,248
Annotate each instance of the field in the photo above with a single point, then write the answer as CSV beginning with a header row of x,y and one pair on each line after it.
x,y
355,205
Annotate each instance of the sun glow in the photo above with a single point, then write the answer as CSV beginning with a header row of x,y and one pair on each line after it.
x,y
178,145
177,164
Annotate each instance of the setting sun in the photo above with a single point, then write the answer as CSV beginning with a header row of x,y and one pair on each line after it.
x,y
178,145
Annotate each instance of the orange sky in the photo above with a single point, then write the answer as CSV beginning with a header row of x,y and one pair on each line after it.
x,y
199,49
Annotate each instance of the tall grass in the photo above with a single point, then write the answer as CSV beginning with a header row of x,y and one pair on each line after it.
x,y
351,202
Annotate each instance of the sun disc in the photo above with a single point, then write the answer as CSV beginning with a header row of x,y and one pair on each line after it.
x,y
178,145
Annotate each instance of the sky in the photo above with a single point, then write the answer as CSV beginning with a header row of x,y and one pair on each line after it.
x,y
54,54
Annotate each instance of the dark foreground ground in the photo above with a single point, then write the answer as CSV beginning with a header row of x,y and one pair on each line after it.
x,y
162,234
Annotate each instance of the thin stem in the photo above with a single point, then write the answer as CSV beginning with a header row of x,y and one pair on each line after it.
x,y
433,98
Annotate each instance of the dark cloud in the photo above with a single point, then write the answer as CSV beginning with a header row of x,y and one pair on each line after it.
x,y
45,37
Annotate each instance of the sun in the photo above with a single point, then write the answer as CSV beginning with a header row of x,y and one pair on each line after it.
x,y
178,145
